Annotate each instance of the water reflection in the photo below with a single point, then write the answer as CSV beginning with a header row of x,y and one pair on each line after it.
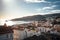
x,y
21,22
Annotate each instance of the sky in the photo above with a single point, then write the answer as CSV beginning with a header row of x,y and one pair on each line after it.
x,y
10,9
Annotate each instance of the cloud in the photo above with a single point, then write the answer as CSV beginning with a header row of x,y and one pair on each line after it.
x,y
41,13
36,1
52,7
56,2
55,11
46,8
51,12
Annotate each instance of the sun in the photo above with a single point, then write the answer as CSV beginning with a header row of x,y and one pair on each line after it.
x,y
9,23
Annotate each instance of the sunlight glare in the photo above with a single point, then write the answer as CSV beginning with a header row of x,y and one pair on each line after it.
x,y
9,23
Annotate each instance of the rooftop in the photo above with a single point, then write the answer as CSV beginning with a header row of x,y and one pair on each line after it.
x,y
4,30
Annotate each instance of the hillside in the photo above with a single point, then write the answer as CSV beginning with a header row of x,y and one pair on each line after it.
x,y
53,15
30,18
37,17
